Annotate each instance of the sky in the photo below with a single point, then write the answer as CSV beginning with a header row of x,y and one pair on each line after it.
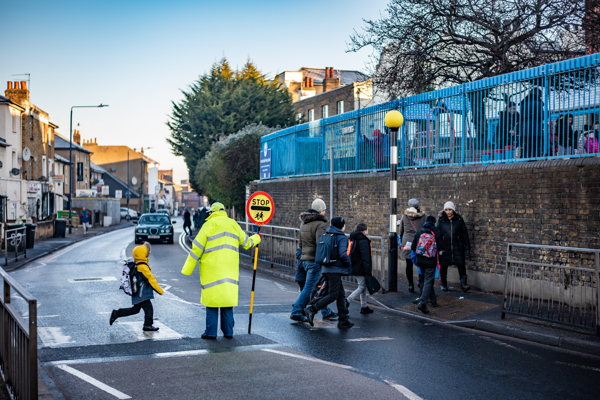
x,y
137,56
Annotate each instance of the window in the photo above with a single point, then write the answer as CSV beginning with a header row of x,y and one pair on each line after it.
x,y
14,159
325,110
311,115
299,117
15,121
340,105
44,166
79,172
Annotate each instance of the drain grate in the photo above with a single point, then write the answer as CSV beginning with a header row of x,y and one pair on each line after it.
x,y
452,308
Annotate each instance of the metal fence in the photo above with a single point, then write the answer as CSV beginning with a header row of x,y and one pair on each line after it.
x,y
541,113
18,342
14,240
553,283
279,244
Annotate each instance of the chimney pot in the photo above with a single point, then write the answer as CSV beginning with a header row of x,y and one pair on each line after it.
x,y
311,82
24,85
9,86
16,85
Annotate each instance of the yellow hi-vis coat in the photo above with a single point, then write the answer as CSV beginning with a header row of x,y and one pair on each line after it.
x,y
216,248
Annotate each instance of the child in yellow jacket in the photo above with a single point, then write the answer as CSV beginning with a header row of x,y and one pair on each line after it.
x,y
146,286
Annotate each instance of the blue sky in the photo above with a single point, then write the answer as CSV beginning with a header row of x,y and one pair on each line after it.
x,y
136,56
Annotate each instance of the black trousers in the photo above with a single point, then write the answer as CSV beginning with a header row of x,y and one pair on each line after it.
x,y
462,271
146,305
335,293
428,290
409,271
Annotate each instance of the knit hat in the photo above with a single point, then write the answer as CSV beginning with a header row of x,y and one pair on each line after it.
x,y
361,227
449,205
216,207
318,205
338,222
430,219
413,203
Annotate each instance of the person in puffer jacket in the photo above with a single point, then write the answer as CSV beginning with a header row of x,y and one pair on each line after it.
x,y
455,245
427,264
333,274
147,285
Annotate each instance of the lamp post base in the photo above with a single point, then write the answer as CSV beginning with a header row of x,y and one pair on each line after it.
x,y
392,263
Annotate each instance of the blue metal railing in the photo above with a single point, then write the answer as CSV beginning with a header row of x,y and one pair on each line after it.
x,y
552,111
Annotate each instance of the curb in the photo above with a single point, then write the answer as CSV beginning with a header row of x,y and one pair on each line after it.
x,y
577,345
30,260
580,346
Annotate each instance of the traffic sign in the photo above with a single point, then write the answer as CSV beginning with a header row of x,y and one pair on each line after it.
x,y
260,208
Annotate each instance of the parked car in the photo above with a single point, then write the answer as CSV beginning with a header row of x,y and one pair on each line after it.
x,y
128,214
164,212
154,227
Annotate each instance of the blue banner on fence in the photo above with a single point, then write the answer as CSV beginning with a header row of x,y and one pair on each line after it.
x,y
265,162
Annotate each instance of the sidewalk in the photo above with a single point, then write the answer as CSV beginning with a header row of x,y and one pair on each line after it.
x,y
44,247
474,310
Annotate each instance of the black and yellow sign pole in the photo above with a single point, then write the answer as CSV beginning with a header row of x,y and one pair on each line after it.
x,y
253,282
259,209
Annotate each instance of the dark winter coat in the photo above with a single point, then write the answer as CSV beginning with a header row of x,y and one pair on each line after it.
x,y
360,254
186,219
203,215
410,223
454,239
313,227
424,262
343,266
508,127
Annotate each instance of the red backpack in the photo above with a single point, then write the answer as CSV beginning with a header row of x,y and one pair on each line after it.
x,y
426,247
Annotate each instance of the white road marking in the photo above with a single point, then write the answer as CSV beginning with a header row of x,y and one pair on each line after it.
x,y
182,243
175,280
163,333
280,286
48,316
509,346
182,353
171,296
368,339
53,336
95,382
407,393
105,312
93,279
577,366
283,353
165,287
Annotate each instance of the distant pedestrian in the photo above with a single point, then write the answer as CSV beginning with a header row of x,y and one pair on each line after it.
x,y
147,285
362,265
187,222
202,215
425,245
196,219
85,216
216,252
333,274
455,245
152,209
313,226
532,122
412,220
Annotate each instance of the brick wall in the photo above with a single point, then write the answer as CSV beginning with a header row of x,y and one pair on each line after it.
x,y
548,202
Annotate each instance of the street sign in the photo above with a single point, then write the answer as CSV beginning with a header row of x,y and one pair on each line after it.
x,y
265,162
260,208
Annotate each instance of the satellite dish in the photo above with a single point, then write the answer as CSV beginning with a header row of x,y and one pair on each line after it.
x,y
134,180
15,171
26,154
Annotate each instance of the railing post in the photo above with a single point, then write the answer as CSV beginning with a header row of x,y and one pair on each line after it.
x,y
505,280
272,246
597,254
6,344
33,359
5,247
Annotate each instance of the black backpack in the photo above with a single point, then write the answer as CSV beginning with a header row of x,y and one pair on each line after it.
x,y
327,250
321,290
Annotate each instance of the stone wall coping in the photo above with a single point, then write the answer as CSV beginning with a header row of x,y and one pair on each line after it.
x,y
567,162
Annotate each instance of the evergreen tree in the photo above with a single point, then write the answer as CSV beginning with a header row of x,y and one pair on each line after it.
x,y
223,102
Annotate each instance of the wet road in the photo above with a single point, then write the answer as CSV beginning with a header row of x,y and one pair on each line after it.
x,y
384,356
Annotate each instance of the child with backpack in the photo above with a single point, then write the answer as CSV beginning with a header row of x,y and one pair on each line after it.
x,y
425,245
360,256
144,292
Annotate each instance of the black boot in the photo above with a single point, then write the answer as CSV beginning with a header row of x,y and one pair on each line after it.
x,y
444,285
463,284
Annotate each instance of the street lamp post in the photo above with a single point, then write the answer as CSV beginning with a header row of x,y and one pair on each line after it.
x,y
71,162
393,120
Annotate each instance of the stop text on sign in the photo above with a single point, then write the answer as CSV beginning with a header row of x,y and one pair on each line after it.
x,y
260,208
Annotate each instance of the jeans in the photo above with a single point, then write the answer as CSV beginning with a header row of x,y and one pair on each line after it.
x,y
312,273
86,225
360,290
146,305
212,317
428,290
189,229
336,293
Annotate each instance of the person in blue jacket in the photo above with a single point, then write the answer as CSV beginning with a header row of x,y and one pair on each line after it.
x,y
333,274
